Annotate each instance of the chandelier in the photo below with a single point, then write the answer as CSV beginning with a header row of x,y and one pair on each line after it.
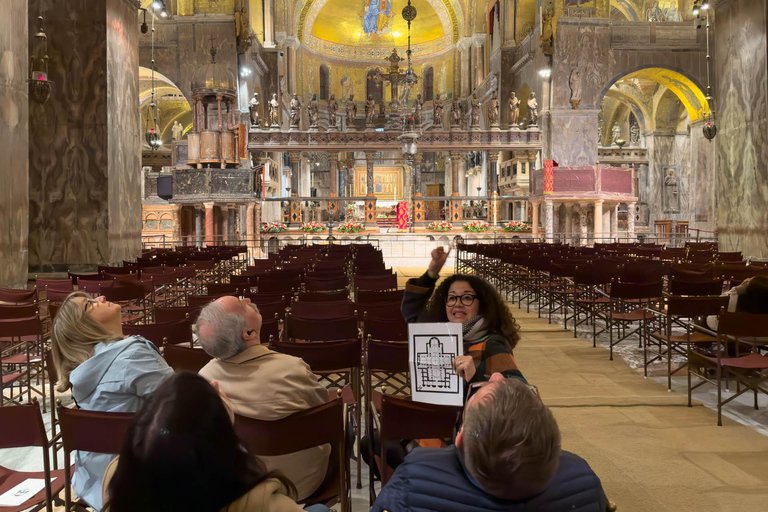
x,y
39,85
409,14
152,134
710,126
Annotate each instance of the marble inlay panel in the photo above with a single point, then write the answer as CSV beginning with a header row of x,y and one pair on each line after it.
x,y
14,144
742,140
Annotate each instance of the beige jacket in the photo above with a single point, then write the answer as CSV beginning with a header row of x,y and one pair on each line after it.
x,y
267,385
269,496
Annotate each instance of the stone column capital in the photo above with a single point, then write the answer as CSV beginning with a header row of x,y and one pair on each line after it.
x,y
456,155
464,43
418,158
478,39
599,202
370,155
209,206
333,157
295,157
493,156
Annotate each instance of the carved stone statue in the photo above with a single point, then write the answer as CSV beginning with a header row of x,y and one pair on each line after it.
x,y
177,130
533,109
370,111
333,107
295,111
514,108
574,82
547,40
274,109
437,106
671,192
475,116
493,109
253,109
351,111
417,110
634,134
314,111
615,133
455,113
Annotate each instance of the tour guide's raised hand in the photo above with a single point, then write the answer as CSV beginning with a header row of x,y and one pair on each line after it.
x,y
438,260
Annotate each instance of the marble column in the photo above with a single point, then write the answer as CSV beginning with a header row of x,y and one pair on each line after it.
x,y
598,220
535,218
418,201
232,222
292,43
199,223
455,210
370,201
224,224
463,46
269,23
479,57
583,224
250,225
176,216
209,226
257,216
333,164
295,205
14,144
85,142
615,222
549,220
631,207
568,223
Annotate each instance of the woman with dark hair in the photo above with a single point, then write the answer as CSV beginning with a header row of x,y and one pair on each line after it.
x,y
182,453
490,332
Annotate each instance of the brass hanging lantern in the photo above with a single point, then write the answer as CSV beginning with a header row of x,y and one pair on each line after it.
x,y
39,86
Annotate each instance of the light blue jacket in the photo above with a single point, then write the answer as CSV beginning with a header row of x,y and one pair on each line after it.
x,y
117,378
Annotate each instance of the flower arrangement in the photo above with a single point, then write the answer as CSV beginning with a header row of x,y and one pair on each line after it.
x,y
273,227
312,227
351,227
476,226
440,225
516,226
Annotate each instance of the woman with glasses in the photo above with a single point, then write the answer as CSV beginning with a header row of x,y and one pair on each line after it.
x,y
490,331
105,370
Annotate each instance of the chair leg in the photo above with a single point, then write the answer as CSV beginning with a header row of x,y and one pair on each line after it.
x,y
719,398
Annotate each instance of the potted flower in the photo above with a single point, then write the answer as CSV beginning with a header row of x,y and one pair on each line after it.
x,y
476,226
516,227
273,227
312,227
351,227
440,225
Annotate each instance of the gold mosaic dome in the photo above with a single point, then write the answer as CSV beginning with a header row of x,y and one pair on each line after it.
x,y
213,78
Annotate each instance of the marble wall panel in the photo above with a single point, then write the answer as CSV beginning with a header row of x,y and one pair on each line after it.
x,y
661,154
14,144
123,131
704,177
742,141
573,136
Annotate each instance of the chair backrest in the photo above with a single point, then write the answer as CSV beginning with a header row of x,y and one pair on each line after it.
x,y
223,288
123,292
17,312
341,295
61,285
322,310
380,282
382,329
386,356
743,325
18,327
685,287
185,358
622,290
695,307
171,314
165,333
14,296
368,296
291,434
319,284
93,431
270,309
270,330
203,300
21,426
320,330
381,310
324,357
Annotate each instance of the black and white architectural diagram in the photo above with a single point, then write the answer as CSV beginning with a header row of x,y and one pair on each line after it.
x,y
432,349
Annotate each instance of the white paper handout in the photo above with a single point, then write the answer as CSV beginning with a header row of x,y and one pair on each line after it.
x,y
22,492
431,350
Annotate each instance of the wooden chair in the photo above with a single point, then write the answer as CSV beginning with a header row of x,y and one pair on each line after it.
x,y
319,284
628,305
165,333
695,287
22,426
297,328
14,296
176,313
223,289
200,301
132,299
341,295
367,296
21,353
736,331
90,431
185,359
382,310
322,310
291,434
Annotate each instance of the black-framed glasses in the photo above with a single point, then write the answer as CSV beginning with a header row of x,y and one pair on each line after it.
x,y
467,299
87,303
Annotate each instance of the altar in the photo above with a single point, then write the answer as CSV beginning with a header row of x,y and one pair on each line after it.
x,y
388,182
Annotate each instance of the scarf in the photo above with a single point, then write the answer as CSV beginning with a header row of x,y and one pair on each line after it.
x,y
474,329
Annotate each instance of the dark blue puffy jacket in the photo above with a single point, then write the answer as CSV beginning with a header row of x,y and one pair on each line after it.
x,y
434,480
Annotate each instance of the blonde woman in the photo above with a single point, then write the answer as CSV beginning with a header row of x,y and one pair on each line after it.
x,y
106,371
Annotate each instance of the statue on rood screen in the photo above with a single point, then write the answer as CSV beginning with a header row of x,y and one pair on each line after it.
x,y
351,111
333,107
475,116
533,109
177,130
274,109
370,111
615,133
514,108
417,104
493,109
253,109
455,113
295,111
314,111
437,106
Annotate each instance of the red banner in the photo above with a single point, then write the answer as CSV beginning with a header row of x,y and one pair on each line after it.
x,y
549,176
402,215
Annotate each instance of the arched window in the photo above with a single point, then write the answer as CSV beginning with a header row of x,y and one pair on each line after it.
x,y
166,221
151,221
324,83
372,88
429,84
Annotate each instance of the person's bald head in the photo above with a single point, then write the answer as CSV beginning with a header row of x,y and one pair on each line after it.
x,y
228,326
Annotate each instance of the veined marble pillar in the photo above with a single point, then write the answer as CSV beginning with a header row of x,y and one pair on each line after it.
x,y
232,222
370,201
455,209
493,159
250,225
535,218
199,225
224,224
583,224
269,23
209,227
598,219
631,221
549,220
333,164
257,216
292,43
418,201
615,222
176,216
569,223
479,57
295,206
463,46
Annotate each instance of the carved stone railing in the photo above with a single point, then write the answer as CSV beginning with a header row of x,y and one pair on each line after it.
x,y
525,51
209,184
616,155
634,35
